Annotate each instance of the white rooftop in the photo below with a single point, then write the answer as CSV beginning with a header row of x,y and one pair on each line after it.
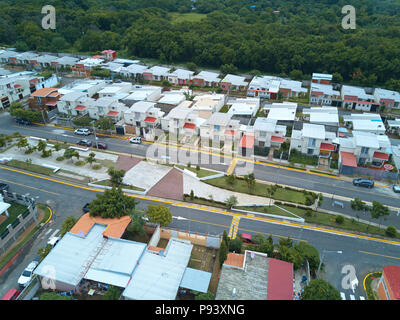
x,y
292,85
264,124
159,71
323,114
242,108
394,123
182,74
235,80
322,76
356,91
172,98
141,106
282,111
208,76
387,94
136,68
366,139
178,113
315,131
326,89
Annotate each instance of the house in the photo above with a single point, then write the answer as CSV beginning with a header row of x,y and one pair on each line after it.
x,y
284,113
207,104
323,94
180,77
44,99
75,103
142,93
233,82
321,78
107,107
355,98
25,58
363,149
220,128
6,55
389,283
91,87
269,86
142,118
313,140
389,99
328,116
291,88
45,61
109,54
15,87
126,62
255,276
394,126
366,122
120,90
171,99
64,62
206,79
134,71
247,107
156,73
83,67
268,133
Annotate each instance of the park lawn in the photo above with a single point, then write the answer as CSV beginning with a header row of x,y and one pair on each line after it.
x,y
123,186
200,173
14,211
260,190
30,167
204,202
224,109
187,17
370,293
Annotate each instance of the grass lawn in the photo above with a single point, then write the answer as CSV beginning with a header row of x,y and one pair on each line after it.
x,y
268,209
200,173
205,202
14,211
186,17
260,190
30,167
224,109
123,186
370,293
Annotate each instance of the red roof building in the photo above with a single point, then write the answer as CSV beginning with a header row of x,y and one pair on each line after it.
x,y
348,159
389,284
381,156
280,280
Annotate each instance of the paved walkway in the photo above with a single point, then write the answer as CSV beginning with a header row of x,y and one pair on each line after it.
x,y
126,163
170,186
145,174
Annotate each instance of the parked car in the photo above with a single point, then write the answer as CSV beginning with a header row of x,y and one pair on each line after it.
x,y
85,208
396,188
137,140
86,143
4,186
22,121
53,241
11,294
101,145
82,132
367,183
27,274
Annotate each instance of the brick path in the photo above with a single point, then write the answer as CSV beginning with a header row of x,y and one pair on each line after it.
x,y
126,162
170,186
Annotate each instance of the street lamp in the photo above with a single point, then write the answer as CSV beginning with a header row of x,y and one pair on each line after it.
x,y
322,258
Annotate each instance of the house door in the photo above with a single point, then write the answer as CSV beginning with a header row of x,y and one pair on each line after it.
x,y
141,131
20,96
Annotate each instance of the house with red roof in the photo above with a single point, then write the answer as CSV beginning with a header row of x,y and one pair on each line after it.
x,y
255,276
389,284
44,99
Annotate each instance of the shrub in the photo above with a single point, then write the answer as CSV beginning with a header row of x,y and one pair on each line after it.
x,y
339,219
197,168
308,213
391,231
60,158
191,195
96,167
46,153
80,163
309,201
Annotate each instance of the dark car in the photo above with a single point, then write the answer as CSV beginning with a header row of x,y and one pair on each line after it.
x,y
4,186
367,183
85,208
396,188
86,143
101,145
22,121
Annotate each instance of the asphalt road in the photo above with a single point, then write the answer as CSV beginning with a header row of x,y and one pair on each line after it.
x,y
262,172
364,255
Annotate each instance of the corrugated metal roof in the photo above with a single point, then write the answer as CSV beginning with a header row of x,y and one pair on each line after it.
x,y
196,280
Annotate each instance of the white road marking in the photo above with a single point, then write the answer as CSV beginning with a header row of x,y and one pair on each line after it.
x,y
362,298
54,233
48,231
343,296
352,297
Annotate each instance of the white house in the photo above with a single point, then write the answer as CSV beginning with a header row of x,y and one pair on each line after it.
x,y
114,89
207,104
65,62
323,94
142,93
322,115
245,107
206,79
107,107
390,99
269,86
180,77
283,112
70,103
268,133
233,82
134,71
356,98
219,128
366,122
321,78
91,87
156,73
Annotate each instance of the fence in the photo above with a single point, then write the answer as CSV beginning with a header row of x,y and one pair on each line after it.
x,y
195,238
367,172
24,220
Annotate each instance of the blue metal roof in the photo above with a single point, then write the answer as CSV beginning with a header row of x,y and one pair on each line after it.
x,y
196,280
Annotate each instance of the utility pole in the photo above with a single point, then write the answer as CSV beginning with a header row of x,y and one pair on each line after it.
x,y
95,137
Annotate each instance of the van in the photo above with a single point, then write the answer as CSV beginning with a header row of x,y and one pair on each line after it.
x,y
11,294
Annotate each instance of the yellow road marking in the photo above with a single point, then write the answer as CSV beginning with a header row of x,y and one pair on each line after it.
x,y
381,255
25,186
232,167
234,227
51,214
365,278
286,223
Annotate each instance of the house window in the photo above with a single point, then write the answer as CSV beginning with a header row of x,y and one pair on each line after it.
x,y
310,151
364,150
216,128
263,133
311,143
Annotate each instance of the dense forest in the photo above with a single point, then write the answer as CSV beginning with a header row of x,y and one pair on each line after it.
x,y
305,35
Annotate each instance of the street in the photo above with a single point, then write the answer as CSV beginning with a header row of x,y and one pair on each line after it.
x,y
363,254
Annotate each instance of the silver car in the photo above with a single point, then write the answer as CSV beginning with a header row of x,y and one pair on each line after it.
x,y
396,188
82,132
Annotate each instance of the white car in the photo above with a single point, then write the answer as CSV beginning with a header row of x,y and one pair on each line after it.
x,y
82,132
53,241
137,140
27,274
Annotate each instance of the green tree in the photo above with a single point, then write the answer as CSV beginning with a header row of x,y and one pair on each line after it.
x,y
112,204
251,181
319,289
43,252
105,123
337,77
204,296
228,69
67,225
358,205
267,247
235,245
159,214
296,75
223,253
69,153
57,147
231,201
339,219
391,231
113,293
309,253
53,296
378,211
116,176
41,146
258,238
230,180
22,143
191,66
137,223
91,158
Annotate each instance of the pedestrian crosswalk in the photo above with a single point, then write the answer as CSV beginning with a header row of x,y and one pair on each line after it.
x,y
351,297
46,234
234,227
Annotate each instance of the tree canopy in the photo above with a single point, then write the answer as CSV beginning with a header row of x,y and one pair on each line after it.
x,y
319,289
159,214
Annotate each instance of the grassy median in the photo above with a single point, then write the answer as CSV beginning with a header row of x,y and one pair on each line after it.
x,y
30,167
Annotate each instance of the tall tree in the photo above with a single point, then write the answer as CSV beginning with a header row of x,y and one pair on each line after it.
x,y
116,176
159,214
67,225
319,289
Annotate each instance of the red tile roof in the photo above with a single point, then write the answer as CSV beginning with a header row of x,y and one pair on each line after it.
x,y
80,107
230,132
359,101
327,146
112,113
392,274
280,280
277,139
54,94
189,125
247,142
51,103
43,92
234,259
150,119
16,86
381,156
348,159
